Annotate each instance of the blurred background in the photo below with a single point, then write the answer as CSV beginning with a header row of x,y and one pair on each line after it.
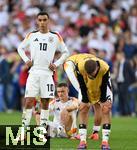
x,y
105,28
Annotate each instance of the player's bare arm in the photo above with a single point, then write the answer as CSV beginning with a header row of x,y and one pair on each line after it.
x,y
74,106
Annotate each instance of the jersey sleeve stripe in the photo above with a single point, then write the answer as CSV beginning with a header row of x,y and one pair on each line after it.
x,y
27,36
59,36
65,66
52,102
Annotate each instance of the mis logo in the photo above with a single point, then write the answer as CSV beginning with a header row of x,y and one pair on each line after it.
x,y
20,137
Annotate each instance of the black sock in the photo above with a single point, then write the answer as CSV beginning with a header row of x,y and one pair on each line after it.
x,y
95,132
82,126
107,126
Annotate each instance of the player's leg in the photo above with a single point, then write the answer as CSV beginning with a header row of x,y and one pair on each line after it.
x,y
27,112
106,129
97,122
66,120
74,119
36,111
46,93
106,117
74,129
30,94
52,130
83,119
44,114
37,118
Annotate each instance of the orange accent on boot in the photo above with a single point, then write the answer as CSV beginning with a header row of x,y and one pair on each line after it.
x,y
94,136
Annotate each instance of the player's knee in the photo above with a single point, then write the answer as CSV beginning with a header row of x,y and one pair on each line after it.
x,y
44,103
106,110
84,109
97,107
29,103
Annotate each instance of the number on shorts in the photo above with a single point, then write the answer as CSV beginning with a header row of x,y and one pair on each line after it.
x,y
50,87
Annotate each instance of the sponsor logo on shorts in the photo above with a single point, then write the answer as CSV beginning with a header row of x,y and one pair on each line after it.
x,y
51,94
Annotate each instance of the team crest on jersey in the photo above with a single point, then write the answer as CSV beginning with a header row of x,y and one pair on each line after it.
x,y
50,39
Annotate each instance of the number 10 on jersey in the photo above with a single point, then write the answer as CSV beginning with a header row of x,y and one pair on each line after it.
x,y
43,46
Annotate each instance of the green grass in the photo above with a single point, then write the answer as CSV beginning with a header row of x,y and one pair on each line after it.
x,y
123,134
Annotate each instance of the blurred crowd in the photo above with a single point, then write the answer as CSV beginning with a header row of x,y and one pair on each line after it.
x,y
105,28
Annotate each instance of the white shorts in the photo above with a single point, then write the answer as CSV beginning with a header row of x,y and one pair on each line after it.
x,y
40,85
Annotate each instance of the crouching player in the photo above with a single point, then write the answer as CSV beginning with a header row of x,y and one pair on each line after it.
x,y
91,77
64,111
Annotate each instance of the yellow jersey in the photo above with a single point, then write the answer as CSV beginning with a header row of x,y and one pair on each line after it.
x,y
95,89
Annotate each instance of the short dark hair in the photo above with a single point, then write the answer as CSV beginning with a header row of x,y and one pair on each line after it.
x,y
43,13
63,84
90,66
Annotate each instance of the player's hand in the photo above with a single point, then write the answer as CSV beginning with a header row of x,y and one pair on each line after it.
x,y
106,106
52,67
29,64
24,68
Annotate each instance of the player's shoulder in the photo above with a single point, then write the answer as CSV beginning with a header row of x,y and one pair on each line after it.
x,y
54,101
31,33
57,34
34,32
73,99
103,64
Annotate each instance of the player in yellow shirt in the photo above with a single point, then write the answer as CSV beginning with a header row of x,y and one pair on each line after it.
x,y
91,78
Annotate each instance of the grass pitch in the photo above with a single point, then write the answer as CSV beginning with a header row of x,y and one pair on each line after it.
x,y
123,135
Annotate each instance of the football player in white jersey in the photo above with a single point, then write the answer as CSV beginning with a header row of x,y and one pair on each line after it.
x,y
64,110
42,45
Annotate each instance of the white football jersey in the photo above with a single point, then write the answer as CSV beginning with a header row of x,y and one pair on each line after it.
x,y
56,106
42,47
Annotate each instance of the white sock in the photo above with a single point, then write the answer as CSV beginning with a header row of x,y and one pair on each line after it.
x,y
26,117
83,134
44,117
105,135
96,128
